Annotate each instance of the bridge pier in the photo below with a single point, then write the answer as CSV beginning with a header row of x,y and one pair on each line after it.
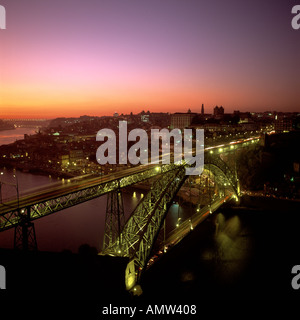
x,y
24,237
114,222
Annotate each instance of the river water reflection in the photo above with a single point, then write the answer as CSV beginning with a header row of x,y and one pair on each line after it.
x,y
10,136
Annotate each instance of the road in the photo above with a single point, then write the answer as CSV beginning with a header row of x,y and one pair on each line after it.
x,y
51,192
188,225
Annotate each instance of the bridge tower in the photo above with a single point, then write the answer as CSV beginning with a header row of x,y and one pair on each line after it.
x,y
24,237
114,221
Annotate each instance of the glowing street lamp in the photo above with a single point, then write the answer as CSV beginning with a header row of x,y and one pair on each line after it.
x,y
17,187
1,174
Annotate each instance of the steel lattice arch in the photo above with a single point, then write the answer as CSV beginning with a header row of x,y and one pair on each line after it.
x,y
142,228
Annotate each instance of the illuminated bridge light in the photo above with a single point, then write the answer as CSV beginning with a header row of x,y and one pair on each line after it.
x,y
221,150
211,151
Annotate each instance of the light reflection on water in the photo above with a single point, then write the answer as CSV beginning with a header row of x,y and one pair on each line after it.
x,y
232,247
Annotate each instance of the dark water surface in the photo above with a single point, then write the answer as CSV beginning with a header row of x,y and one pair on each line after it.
x,y
235,254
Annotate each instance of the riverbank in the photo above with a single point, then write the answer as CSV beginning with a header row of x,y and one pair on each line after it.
x,y
37,171
6,129
270,204
6,126
9,136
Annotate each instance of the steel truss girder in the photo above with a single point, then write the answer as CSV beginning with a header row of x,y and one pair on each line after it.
x,y
9,214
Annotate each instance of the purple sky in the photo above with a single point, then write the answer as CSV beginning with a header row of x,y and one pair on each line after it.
x,y
71,57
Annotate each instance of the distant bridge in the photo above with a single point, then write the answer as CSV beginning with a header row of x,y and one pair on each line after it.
x,y
26,120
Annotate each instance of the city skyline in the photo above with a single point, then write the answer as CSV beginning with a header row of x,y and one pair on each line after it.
x,y
185,111
69,59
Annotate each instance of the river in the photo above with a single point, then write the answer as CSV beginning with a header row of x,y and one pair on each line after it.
x,y
10,136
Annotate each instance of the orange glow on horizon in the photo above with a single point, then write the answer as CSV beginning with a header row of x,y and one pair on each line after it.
x,y
131,56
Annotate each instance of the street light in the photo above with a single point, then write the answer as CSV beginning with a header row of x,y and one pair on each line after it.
x,y
17,187
191,225
1,174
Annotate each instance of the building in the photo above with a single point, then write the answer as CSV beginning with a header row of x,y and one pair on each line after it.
x,y
64,159
145,117
158,118
218,112
75,155
182,120
283,124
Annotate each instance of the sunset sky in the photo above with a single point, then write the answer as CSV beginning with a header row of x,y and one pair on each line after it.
x,y
97,57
